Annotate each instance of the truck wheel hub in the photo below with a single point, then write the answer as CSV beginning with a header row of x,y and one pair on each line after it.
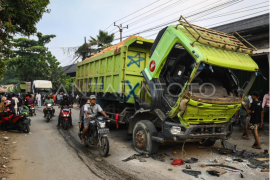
x,y
140,139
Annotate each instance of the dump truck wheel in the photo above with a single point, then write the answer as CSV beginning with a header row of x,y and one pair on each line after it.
x,y
142,137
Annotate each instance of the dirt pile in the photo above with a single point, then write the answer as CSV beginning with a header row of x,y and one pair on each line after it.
x,y
120,44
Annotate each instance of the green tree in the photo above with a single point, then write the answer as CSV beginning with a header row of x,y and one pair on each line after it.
x,y
95,45
69,82
18,17
10,77
103,40
33,61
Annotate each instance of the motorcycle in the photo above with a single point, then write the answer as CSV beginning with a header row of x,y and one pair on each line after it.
x,y
24,110
31,109
65,117
97,135
48,112
9,121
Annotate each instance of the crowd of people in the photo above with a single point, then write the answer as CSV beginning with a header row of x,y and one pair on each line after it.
x,y
252,115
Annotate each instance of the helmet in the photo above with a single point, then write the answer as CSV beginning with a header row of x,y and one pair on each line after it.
x,y
7,103
65,96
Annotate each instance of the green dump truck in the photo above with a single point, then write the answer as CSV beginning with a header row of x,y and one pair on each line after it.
x,y
182,87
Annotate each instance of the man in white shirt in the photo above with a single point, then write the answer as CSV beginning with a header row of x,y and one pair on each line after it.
x,y
90,112
38,99
16,102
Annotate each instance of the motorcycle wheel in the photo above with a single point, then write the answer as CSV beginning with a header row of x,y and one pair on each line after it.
x,y
48,118
65,125
104,146
26,129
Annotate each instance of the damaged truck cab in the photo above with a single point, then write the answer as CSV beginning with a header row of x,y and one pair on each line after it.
x,y
194,91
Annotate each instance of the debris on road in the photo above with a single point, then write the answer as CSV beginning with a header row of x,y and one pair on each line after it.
x,y
221,165
178,162
216,171
158,157
192,172
5,138
170,169
188,167
168,154
191,160
201,147
135,156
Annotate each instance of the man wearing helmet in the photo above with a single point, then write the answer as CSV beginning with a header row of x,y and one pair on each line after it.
x,y
90,112
64,102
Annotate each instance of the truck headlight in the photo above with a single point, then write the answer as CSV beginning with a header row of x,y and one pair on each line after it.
x,y
175,130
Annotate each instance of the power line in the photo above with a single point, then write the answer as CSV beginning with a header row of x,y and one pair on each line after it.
x,y
148,11
216,8
132,13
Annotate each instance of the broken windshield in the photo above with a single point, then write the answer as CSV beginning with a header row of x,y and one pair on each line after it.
x,y
220,84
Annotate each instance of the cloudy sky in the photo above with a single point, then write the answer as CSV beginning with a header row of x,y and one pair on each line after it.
x,y
71,20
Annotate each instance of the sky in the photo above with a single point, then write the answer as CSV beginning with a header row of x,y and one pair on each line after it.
x,y
71,20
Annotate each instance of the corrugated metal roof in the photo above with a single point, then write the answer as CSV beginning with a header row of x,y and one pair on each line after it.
x,y
70,68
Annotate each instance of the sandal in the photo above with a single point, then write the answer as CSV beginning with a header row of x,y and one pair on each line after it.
x,y
82,142
256,147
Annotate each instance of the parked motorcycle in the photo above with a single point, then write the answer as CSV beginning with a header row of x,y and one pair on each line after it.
x,y
9,121
31,109
24,110
65,117
48,112
97,135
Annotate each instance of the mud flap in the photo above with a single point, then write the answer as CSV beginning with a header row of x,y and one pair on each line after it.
x,y
182,121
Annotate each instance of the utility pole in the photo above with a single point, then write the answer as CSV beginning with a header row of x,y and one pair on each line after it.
x,y
121,30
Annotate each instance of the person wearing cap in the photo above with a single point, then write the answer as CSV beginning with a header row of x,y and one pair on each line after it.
x,y
64,102
90,112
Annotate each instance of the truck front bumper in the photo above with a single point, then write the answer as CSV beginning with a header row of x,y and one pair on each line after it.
x,y
195,132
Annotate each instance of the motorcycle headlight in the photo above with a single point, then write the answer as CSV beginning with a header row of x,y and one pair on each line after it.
x,y
175,130
49,105
102,124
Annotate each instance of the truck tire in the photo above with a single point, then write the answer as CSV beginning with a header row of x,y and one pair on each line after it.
x,y
208,142
142,137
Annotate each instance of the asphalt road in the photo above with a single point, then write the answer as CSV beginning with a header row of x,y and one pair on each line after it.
x,y
49,153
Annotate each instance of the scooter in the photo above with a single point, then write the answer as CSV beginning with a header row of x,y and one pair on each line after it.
x,y
48,112
31,109
97,135
25,110
9,121
65,117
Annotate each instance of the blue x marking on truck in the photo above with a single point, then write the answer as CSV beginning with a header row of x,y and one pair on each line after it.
x,y
132,90
137,62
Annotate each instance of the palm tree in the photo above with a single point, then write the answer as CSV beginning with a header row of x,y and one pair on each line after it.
x,y
102,41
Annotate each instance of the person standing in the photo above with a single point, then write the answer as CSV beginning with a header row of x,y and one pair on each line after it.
x,y
54,97
255,119
265,105
38,99
58,98
243,117
16,102
78,100
20,103
71,99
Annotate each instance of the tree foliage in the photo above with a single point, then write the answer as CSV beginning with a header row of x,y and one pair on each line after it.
x,y
33,61
10,77
18,17
69,83
95,45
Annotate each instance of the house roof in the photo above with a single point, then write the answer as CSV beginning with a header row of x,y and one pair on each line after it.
x,y
70,68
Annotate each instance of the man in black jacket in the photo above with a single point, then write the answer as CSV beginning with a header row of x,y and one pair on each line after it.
x,y
64,102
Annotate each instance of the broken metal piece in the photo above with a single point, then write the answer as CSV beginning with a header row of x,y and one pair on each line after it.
x,y
191,160
228,145
192,173
221,165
